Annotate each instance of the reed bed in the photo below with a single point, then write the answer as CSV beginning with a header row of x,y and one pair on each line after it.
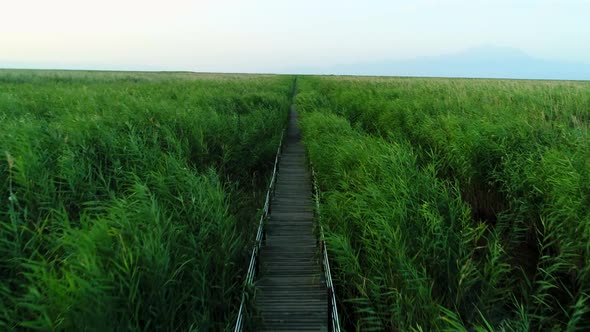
x,y
454,204
129,199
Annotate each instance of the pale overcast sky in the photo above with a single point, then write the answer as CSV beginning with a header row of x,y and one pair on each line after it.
x,y
275,35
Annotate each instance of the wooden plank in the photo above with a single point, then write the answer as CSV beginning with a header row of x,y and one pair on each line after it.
x,y
290,290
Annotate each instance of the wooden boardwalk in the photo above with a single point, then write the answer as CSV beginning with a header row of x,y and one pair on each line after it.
x,y
291,293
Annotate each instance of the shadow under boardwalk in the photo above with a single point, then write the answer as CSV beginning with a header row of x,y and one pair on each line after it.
x,y
291,292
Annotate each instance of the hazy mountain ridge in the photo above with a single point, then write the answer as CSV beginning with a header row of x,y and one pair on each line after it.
x,y
485,62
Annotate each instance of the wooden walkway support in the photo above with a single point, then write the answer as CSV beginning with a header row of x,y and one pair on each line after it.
x,y
291,292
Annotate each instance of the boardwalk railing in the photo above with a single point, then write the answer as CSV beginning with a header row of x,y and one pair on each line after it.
x,y
253,266
332,306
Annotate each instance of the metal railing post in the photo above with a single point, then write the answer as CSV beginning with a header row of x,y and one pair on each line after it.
x,y
254,267
332,304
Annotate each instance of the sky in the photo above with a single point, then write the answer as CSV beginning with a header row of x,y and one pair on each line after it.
x,y
277,35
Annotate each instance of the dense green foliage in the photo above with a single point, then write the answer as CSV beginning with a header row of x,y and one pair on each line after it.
x,y
454,204
127,197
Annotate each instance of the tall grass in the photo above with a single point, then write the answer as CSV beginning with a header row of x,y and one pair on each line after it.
x,y
128,201
513,154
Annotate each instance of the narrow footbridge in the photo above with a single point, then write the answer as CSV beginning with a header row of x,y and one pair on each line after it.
x,y
289,269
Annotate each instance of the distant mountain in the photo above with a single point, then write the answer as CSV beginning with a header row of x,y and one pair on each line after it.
x,y
485,62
